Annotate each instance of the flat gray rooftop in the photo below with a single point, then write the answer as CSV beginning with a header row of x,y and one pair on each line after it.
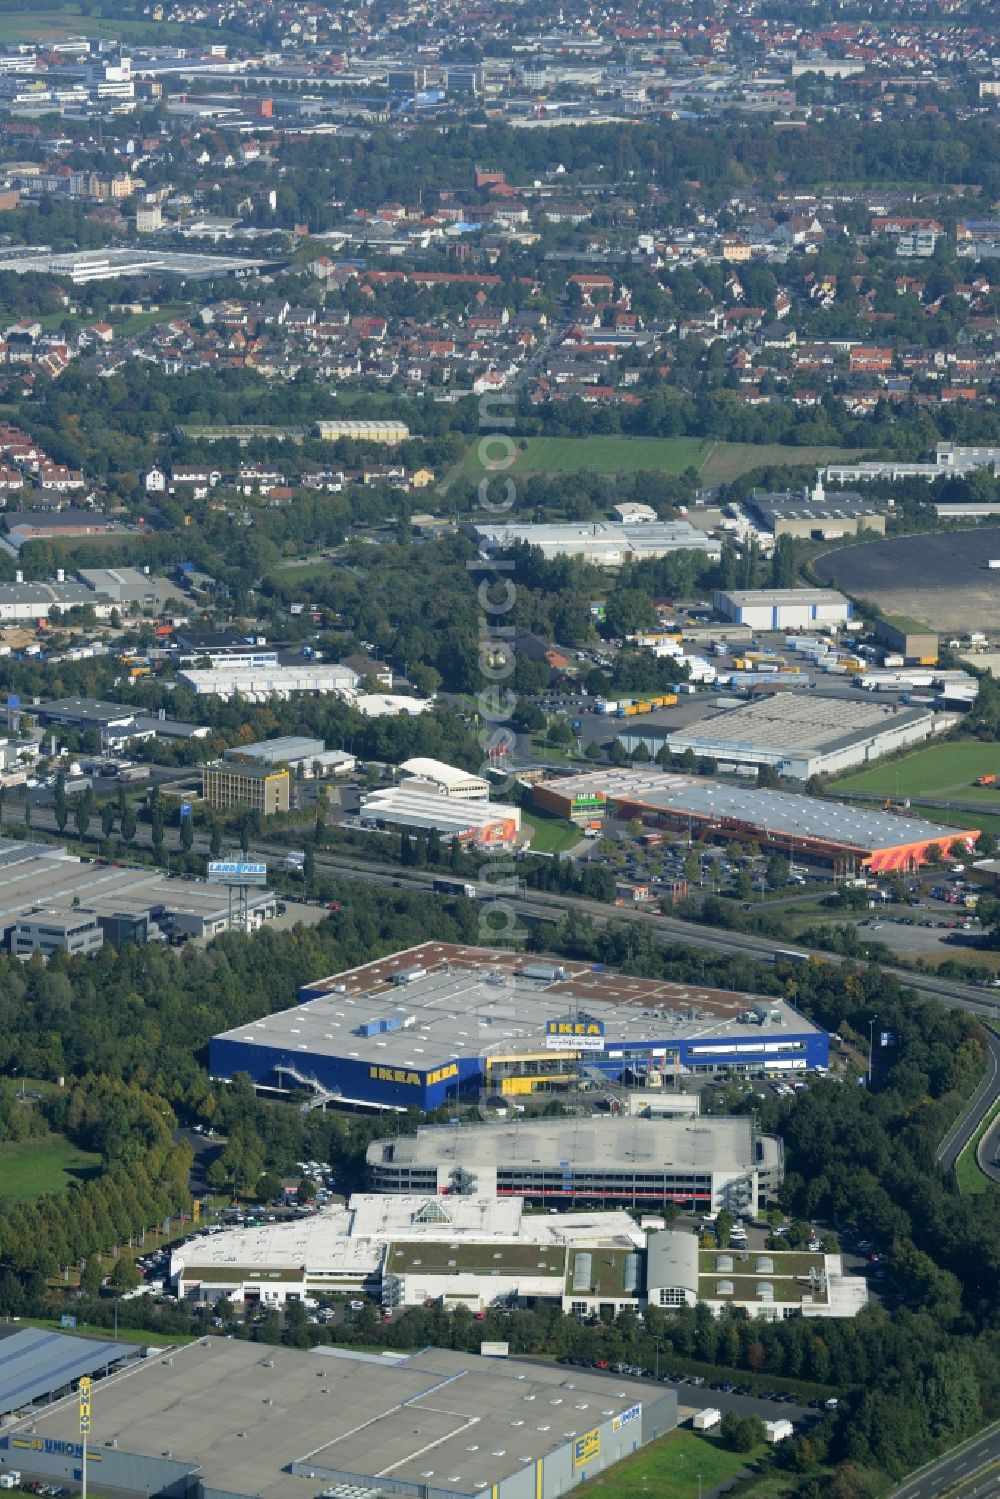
x,y
473,1002
606,1144
797,724
38,875
243,1412
35,1364
784,812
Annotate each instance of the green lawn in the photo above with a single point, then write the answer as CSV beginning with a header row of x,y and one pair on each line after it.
x,y
46,1164
716,462
726,461
550,835
56,21
940,770
678,1466
608,455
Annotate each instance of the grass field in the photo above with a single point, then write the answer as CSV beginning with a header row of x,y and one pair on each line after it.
x,y
46,1164
716,462
550,835
679,1466
940,770
726,461
42,25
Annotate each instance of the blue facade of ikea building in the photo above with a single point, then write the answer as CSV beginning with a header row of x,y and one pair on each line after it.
x,y
355,1079
790,1053
365,1081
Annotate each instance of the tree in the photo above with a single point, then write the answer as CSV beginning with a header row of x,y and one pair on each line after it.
x,y
214,839
187,833
108,819
777,871
306,1190
783,564
309,865
268,1187
741,1433
60,806
128,824
81,816
692,865
125,1276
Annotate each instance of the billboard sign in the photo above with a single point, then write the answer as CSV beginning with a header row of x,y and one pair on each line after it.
x,y
627,1417
575,1033
494,1350
236,872
587,1447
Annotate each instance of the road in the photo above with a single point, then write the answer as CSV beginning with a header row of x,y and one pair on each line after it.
x,y
979,1105
988,1152
700,1398
970,1470
549,906
541,906
942,804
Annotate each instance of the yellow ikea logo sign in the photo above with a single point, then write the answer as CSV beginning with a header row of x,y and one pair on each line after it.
x,y
413,1079
575,1028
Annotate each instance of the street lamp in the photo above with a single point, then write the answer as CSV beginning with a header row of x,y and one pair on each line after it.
x,y
871,1025
656,1366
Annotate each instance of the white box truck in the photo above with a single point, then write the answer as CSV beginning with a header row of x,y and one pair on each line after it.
x,y
707,1419
10,1480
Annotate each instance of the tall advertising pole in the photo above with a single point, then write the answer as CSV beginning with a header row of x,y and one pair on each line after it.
x,y
83,1391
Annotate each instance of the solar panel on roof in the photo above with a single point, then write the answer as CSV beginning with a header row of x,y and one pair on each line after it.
x,y
35,1363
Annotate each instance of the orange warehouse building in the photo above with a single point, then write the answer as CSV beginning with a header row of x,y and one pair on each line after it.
x,y
791,822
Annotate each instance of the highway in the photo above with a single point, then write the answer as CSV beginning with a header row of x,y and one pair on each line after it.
x,y
544,905
971,1471
985,1096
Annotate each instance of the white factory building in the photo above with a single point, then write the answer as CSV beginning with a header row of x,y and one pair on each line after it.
x,y
950,460
481,823
769,1284
481,1252
797,734
604,543
257,684
445,780
408,1250
782,608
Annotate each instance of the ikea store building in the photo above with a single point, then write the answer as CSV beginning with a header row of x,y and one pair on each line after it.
x,y
426,1026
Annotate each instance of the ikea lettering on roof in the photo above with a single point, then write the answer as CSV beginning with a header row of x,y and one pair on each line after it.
x,y
574,1033
571,1028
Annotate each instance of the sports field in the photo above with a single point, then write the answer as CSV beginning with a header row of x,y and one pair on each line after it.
x,y
940,770
46,1164
679,1466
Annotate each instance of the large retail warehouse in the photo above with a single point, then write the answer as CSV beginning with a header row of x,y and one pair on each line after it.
x,y
849,838
798,734
232,1420
422,1027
